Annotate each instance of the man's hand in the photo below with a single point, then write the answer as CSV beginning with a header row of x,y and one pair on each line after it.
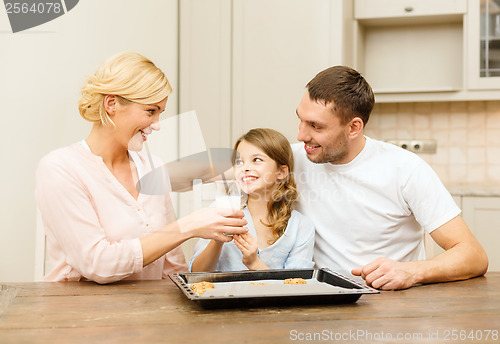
x,y
387,274
463,258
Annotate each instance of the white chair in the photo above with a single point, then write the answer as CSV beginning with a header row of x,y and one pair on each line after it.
x,y
40,249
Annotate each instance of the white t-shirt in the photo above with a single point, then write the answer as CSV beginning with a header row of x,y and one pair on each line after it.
x,y
377,205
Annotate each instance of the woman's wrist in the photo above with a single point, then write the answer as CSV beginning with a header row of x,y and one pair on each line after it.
x,y
186,228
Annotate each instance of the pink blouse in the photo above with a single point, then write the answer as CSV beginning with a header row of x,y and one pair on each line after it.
x,y
93,224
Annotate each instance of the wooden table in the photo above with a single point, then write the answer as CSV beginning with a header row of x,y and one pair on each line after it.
x,y
157,312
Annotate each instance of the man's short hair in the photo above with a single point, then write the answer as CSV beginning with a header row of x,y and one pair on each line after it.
x,y
346,89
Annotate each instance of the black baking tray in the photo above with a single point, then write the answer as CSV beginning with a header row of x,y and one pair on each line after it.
x,y
351,295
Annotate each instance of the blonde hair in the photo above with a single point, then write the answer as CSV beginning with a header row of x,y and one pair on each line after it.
x,y
277,147
128,75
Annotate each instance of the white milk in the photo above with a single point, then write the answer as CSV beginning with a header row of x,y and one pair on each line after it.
x,y
232,202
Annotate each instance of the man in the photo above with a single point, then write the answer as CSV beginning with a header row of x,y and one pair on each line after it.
x,y
371,201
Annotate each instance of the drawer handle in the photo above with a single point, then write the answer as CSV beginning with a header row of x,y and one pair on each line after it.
x,y
409,9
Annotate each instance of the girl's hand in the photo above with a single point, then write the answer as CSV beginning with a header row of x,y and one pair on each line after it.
x,y
214,223
249,247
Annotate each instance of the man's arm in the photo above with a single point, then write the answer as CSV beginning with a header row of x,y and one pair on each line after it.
x,y
182,173
464,257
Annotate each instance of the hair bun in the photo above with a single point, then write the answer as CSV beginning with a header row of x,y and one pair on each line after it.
x,y
128,75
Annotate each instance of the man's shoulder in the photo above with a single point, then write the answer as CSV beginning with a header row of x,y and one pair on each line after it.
x,y
387,147
392,154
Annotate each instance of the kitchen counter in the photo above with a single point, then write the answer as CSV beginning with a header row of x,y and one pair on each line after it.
x,y
474,190
158,312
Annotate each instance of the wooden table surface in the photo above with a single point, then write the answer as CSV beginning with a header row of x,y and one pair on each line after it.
x,y
158,312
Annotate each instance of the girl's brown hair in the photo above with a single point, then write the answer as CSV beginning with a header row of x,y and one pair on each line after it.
x,y
277,147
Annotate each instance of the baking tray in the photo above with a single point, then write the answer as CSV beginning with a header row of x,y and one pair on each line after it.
x,y
233,289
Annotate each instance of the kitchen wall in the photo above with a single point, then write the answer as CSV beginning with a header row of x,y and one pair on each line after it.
x,y
467,135
41,72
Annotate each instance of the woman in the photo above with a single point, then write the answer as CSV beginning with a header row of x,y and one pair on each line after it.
x,y
99,226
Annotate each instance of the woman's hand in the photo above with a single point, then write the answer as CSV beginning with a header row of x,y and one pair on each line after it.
x,y
214,223
249,247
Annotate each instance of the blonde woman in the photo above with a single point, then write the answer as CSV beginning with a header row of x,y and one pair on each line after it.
x,y
278,237
98,223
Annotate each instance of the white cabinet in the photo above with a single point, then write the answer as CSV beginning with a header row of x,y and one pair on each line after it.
x,y
205,67
484,44
422,50
410,46
369,9
482,214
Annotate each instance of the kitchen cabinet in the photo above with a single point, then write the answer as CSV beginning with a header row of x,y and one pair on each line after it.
x,y
484,41
205,68
422,50
412,46
482,215
391,9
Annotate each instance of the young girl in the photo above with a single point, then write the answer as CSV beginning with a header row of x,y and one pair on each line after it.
x,y
278,237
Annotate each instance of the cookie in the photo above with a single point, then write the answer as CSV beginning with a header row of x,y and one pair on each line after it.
x,y
258,283
202,287
295,281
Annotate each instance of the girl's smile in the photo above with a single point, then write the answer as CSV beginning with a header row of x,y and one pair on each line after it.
x,y
256,172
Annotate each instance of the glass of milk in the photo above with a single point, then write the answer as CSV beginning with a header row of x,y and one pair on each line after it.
x,y
227,194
